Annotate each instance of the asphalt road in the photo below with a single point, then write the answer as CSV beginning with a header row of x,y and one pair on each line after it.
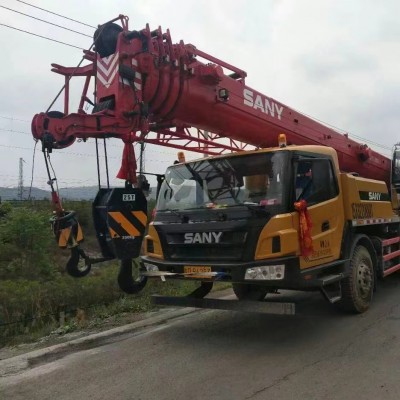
x,y
318,354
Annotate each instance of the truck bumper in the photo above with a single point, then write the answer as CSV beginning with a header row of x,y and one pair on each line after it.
x,y
294,277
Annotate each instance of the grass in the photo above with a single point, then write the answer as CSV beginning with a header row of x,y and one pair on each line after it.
x,y
89,315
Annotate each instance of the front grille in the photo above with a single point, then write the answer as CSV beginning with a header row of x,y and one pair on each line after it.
x,y
229,247
211,241
226,238
205,252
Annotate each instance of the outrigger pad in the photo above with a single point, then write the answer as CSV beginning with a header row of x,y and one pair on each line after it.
x,y
120,218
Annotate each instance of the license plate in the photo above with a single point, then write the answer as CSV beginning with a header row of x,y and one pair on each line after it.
x,y
196,269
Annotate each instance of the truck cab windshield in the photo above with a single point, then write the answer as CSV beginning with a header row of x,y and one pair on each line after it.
x,y
239,180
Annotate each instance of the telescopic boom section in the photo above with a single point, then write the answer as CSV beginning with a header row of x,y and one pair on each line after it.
x,y
152,90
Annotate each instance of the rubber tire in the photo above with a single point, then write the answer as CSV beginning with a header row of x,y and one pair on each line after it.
x,y
356,299
245,291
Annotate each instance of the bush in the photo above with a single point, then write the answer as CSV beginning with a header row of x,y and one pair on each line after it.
x,y
25,241
24,303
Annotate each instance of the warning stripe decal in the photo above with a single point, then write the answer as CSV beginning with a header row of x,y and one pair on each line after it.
x,y
79,236
124,223
113,234
107,68
64,236
141,216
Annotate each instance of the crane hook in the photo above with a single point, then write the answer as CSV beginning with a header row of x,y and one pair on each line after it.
x,y
126,281
74,267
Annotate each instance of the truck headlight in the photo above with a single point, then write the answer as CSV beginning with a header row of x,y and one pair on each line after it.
x,y
150,267
266,273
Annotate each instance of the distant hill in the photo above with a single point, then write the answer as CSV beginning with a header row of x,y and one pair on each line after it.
x,y
70,193
12,193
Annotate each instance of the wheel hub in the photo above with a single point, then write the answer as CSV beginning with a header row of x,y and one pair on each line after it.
x,y
364,279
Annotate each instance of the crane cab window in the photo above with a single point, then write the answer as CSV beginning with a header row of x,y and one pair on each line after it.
x,y
396,169
253,180
315,181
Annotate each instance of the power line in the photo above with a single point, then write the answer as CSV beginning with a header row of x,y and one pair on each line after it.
x,y
46,22
14,131
101,144
58,15
14,119
60,152
43,37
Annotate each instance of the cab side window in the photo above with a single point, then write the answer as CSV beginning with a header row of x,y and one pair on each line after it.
x,y
315,181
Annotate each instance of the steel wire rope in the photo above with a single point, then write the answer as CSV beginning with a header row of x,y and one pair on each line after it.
x,y
43,20
106,162
344,132
51,105
33,169
54,174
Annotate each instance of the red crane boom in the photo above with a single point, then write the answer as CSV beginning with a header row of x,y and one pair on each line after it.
x,y
152,90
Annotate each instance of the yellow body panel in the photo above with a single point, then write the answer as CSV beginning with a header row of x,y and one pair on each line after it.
x,y
355,207
153,235
326,242
284,227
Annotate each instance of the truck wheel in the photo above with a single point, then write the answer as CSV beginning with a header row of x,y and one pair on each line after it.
x,y
246,291
358,286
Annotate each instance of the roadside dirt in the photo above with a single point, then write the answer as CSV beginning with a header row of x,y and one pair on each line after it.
x,y
61,336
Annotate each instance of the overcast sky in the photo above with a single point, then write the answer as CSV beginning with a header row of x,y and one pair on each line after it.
x,y
335,60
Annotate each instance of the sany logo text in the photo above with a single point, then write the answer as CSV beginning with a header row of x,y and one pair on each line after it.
x,y
262,103
204,237
374,196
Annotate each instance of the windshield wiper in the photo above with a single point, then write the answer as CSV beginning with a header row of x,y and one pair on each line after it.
x,y
184,218
257,209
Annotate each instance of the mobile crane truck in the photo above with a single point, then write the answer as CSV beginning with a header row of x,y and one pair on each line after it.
x,y
308,209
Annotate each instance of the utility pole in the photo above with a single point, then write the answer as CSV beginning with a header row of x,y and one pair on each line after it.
x,y
21,179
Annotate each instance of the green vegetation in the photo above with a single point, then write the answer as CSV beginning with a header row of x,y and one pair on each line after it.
x,y
35,291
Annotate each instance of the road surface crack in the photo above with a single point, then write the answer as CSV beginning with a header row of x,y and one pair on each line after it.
x,y
283,379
